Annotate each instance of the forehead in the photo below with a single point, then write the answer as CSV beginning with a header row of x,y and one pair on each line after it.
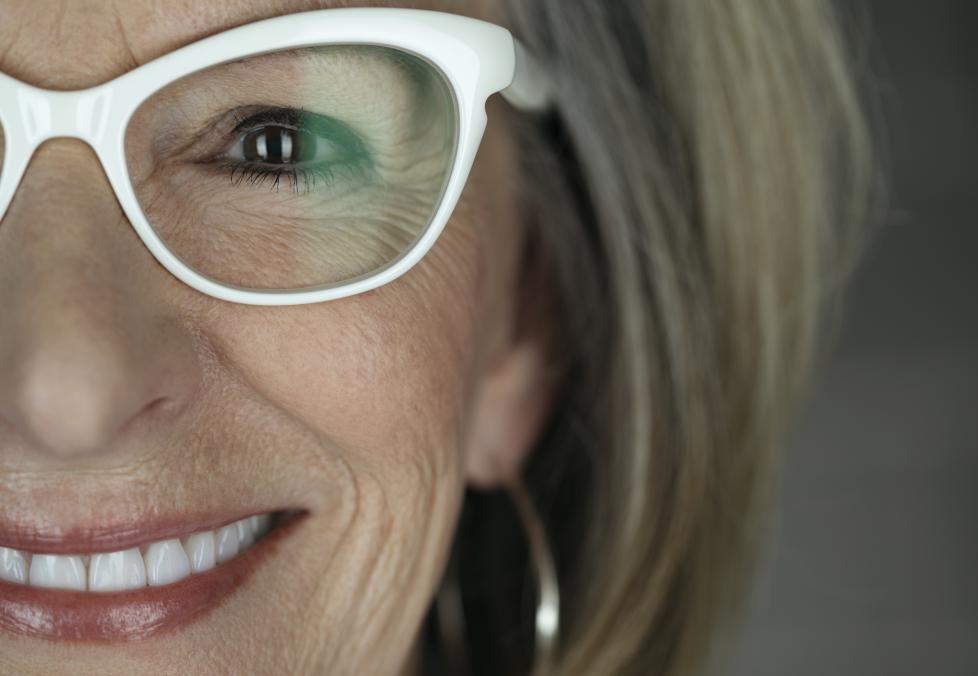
x,y
71,44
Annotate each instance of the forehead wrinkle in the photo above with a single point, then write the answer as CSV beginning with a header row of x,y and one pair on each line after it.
x,y
142,30
204,19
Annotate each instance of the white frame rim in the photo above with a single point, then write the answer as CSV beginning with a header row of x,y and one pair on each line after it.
x,y
478,59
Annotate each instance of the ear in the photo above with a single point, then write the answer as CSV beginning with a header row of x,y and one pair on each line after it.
x,y
515,394
518,365
513,403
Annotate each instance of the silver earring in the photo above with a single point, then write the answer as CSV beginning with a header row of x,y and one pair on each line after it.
x,y
448,603
548,591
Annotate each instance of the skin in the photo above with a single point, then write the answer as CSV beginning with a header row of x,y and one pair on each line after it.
x,y
125,394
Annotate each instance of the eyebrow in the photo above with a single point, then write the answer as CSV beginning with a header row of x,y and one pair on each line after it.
x,y
409,65
314,5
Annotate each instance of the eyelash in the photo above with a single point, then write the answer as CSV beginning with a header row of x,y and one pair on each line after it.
x,y
305,178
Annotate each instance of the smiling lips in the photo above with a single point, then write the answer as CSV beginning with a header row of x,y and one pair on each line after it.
x,y
135,592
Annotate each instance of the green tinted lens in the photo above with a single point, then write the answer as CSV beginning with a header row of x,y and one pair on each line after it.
x,y
296,169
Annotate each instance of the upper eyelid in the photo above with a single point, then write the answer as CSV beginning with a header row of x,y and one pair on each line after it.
x,y
228,123
269,116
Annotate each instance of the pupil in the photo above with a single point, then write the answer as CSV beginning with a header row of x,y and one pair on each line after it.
x,y
279,145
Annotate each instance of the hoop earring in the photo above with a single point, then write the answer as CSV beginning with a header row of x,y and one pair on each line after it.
x,y
448,602
547,616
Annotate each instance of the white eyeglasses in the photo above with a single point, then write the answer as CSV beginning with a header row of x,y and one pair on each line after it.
x,y
294,160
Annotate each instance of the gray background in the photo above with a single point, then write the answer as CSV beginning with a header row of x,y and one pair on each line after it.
x,y
873,567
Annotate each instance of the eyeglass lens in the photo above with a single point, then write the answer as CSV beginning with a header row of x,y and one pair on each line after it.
x,y
295,169
3,147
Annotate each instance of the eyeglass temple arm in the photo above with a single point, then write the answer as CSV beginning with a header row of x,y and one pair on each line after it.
x,y
531,88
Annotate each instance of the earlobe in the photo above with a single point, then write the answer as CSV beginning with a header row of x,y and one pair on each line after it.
x,y
511,407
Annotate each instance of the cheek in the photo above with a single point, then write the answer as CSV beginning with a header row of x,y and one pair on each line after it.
x,y
382,382
382,385
375,372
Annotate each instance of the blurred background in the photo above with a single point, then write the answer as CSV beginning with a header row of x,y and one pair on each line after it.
x,y
873,566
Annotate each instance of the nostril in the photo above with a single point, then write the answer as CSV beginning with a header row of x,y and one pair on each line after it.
x,y
159,408
161,405
73,394
91,342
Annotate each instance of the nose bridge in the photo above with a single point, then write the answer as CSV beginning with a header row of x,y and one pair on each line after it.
x,y
30,116
87,354
82,114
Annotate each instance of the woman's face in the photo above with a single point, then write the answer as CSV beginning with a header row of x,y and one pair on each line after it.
x,y
133,408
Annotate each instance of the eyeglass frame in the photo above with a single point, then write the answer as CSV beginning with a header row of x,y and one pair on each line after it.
x,y
477,59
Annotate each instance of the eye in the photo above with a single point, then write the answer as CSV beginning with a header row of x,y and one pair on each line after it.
x,y
274,145
287,138
303,148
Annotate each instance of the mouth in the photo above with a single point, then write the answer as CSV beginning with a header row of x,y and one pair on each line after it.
x,y
108,587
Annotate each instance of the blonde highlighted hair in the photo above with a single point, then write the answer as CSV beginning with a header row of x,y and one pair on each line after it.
x,y
691,196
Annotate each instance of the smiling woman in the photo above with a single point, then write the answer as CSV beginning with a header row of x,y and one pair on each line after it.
x,y
310,366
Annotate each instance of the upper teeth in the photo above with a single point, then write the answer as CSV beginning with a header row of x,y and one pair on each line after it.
x,y
157,564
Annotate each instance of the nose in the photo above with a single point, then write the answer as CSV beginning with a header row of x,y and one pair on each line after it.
x,y
91,359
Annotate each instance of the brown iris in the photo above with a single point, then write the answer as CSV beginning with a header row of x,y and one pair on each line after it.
x,y
279,145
